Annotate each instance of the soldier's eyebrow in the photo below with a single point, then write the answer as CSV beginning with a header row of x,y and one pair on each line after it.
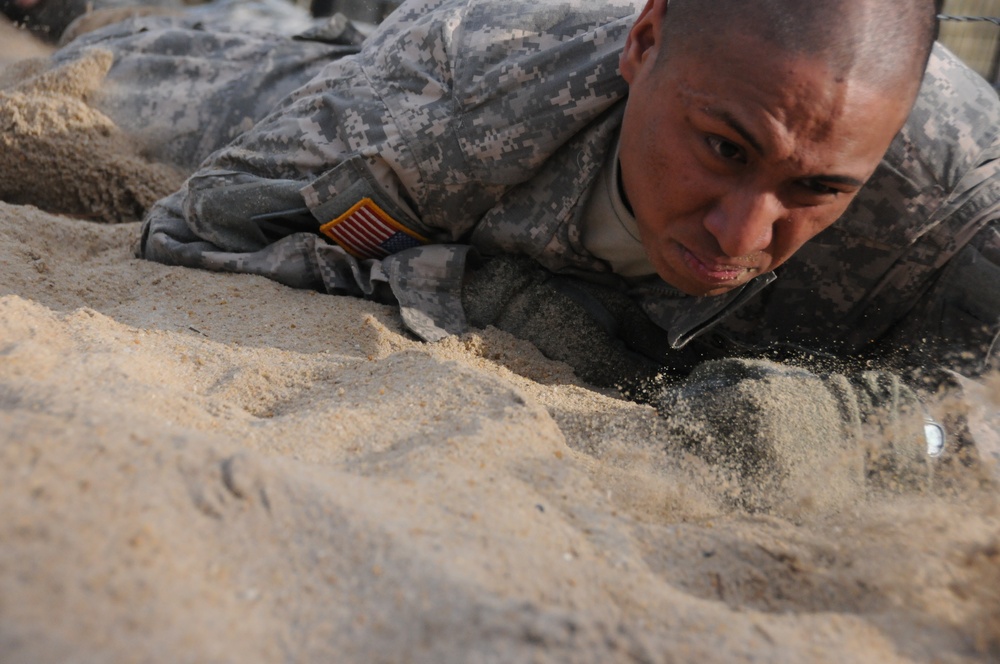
x,y
735,125
845,180
730,120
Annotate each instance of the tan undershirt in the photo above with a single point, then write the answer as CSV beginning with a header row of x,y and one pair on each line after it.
x,y
609,230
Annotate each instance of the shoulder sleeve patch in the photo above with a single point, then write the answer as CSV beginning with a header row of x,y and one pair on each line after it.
x,y
367,231
357,212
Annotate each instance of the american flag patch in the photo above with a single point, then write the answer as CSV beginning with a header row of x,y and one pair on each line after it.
x,y
367,231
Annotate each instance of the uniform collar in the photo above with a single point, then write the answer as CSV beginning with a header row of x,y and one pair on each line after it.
x,y
685,317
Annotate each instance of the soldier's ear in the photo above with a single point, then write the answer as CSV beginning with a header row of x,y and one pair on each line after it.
x,y
644,39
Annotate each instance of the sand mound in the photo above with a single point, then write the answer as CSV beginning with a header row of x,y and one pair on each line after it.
x,y
54,147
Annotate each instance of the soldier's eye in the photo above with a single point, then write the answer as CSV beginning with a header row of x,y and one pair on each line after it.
x,y
726,149
818,187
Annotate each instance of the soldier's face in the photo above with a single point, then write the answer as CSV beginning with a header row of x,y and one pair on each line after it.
x,y
732,161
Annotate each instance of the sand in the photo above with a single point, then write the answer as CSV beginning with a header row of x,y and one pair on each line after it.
x,y
54,146
198,467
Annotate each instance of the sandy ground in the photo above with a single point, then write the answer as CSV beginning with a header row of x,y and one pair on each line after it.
x,y
198,467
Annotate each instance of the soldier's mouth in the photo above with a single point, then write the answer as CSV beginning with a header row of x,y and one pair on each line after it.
x,y
713,271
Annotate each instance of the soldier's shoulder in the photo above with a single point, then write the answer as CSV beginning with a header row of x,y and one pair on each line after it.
x,y
502,24
936,159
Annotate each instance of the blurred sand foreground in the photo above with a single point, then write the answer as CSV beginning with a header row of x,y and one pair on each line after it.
x,y
198,467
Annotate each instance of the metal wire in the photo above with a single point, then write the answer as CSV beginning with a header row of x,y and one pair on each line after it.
x,y
970,19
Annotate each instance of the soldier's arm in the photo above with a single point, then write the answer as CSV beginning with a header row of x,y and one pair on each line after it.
x,y
957,323
948,280
765,420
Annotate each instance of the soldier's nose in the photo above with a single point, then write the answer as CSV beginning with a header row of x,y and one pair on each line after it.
x,y
742,221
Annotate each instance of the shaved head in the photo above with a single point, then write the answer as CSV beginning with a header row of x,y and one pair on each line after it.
x,y
885,43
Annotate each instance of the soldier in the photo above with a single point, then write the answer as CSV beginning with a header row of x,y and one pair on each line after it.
x,y
630,191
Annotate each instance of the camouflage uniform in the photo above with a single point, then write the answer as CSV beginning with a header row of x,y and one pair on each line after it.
x,y
184,86
471,124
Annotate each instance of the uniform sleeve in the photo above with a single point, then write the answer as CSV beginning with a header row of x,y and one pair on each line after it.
x,y
185,86
424,281
944,291
957,323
